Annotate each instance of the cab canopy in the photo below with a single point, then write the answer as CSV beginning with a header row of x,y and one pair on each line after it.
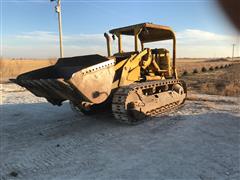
x,y
146,32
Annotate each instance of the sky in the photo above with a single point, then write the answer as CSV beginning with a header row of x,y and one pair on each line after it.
x,y
29,28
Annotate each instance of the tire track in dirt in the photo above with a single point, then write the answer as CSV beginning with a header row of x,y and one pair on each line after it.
x,y
43,142
48,156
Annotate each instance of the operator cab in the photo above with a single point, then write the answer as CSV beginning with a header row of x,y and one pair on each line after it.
x,y
145,33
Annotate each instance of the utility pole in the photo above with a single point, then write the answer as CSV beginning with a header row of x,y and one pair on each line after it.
x,y
233,45
58,10
238,46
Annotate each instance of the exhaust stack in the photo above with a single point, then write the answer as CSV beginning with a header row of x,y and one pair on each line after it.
x,y
108,43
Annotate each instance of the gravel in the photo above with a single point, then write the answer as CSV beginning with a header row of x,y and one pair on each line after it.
x,y
40,141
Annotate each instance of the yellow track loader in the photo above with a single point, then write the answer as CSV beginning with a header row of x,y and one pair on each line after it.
x,y
137,84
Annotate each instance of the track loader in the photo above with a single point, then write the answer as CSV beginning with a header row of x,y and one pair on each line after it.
x,y
137,84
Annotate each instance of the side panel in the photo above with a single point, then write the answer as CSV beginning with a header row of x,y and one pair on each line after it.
x,y
95,82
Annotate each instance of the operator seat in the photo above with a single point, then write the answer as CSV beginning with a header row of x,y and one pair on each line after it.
x,y
162,58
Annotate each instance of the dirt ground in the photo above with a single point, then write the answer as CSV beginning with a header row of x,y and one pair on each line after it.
x,y
40,141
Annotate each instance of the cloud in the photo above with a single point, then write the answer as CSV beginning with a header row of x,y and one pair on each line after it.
x,y
198,43
43,44
38,36
52,37
199,35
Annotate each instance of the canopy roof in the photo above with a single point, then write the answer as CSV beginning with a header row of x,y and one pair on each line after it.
x,y
148,32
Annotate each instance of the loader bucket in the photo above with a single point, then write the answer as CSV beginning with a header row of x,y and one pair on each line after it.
x,y
83,78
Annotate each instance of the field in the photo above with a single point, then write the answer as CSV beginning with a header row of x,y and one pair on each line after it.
x,y
11,68
189,65
224,81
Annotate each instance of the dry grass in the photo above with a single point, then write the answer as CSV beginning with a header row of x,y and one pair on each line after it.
x,y
11,68
190,66
224,81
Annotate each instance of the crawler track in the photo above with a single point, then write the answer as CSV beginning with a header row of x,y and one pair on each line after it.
x,y
119,104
